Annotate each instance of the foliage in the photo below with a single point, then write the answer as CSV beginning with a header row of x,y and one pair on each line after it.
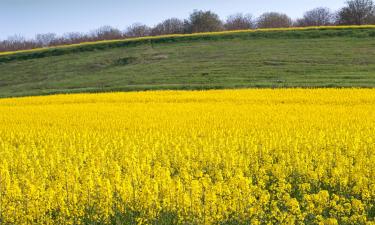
x,y
286,156
169,26
357,12
137,30
239,22
316,17
203,21
274,20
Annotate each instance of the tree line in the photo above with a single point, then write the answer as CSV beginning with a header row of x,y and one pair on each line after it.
x,y
355,12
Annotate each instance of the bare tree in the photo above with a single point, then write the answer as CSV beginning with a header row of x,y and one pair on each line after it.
x,y
106,33
16,38
203,21
169,26
274,20
316,17
356,12
17,42
239,21
73,38
45,39
138,30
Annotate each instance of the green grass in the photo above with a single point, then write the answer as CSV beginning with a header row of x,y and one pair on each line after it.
x,y
308,58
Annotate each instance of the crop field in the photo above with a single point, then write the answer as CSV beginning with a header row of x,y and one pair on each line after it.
x,y
280,156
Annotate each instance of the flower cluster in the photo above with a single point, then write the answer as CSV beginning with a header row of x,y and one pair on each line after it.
x,y
290,156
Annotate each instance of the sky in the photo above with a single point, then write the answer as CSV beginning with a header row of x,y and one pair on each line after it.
x,y
29,17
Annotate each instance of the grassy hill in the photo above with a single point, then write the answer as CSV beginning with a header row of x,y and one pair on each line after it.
x,y
312,57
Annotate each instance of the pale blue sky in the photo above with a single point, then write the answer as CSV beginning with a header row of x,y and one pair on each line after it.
x,y
28,17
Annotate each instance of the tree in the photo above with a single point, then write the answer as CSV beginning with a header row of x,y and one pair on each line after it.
x,y
357,12
203,21
17,38
169,26
239,22
106,33
316,17
71,36
138,30
17,42
274,20
45,39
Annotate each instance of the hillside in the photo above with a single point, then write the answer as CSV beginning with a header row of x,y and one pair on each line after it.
x,y
329,57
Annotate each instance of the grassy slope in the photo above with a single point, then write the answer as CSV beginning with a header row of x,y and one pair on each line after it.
x,y
324,58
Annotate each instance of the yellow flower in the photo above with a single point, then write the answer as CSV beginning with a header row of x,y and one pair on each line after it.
x,y
193,157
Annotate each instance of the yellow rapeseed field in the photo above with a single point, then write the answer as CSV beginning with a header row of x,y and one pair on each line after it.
x,y
287,156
